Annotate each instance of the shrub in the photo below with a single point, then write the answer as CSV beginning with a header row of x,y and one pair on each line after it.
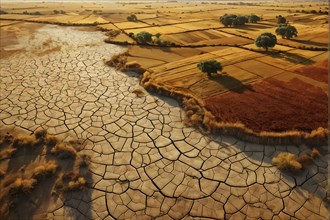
x,y
2,173
163,43
131,34
118,61
113,33
24,141
40,134
133,66
321,133
132,18
51,141
138,92
84,161
286,160
254,18
304,159
77,184
315,153
23,185
64,150
143,37
280,19
45,169
7,153
7,138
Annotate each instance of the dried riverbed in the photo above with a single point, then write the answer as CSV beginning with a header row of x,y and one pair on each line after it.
x,y
145,163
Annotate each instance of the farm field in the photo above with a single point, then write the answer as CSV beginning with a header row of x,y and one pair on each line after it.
x,y
108,123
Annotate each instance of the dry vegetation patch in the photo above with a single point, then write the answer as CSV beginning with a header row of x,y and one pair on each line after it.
x,y
274,106
285,160
318,71
292,162
31,168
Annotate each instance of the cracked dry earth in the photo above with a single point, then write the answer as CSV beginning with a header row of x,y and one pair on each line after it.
x,y
145,163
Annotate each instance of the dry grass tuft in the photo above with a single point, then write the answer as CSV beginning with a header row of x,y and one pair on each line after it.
x,y
2,173
112,33
7,138
138,92
23,185
133,66
64,150
315,153
77,184
320,133
47,168
118,61
52,140
195,115
286,160
7,153
24,141
84,161
304,159
40,134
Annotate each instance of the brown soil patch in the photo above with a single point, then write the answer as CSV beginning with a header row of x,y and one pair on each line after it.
x,y
273,105
10,34
318,72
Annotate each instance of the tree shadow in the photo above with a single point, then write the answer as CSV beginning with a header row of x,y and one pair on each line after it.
x,y
306,179
309,42
230,83
253,27
26,205
291,57
36,202
163,48
78,203
24,156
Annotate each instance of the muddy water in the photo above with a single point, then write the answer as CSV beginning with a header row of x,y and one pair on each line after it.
x,y
145,162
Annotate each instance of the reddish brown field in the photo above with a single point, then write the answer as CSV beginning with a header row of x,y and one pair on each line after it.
x,y
318,72
273,105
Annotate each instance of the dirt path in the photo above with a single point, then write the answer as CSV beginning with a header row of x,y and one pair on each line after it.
x,y
145,163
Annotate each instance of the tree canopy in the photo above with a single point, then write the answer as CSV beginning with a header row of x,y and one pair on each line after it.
x,y
233,20
132,18
143,37
254,18
266,40
209,66
280,19
286,31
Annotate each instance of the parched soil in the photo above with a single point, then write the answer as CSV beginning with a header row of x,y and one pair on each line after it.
x,y
273,105
318,72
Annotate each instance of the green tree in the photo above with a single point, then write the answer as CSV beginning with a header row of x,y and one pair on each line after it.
x,y
280,19
266,40
132,18
254,18
287,31
157,35
143,37
227,20
233,20
209,66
